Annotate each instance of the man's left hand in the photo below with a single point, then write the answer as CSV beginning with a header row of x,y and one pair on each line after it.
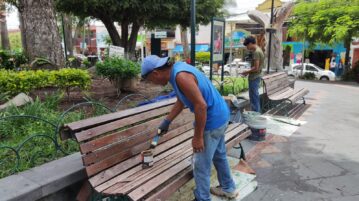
x,y
197,144
245,73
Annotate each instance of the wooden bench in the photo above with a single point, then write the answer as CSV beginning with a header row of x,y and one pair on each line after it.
x,y
111,145
277,88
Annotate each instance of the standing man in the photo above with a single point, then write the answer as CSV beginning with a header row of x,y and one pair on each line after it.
x,y
195,90
255,73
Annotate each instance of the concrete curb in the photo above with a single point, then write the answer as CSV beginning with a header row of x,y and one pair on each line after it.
x,y
43,180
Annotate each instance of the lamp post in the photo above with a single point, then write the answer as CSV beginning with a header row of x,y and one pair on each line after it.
x,y
64,35
193,32
270,37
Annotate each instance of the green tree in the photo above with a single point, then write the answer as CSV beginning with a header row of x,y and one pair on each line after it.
x,y
133,14
326,21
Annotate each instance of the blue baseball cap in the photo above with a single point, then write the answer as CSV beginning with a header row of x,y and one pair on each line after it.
x,y
152,62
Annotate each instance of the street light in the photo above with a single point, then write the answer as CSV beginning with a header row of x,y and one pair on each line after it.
x,y
193,32
270,30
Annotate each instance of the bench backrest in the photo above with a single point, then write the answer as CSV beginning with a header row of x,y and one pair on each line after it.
x,y
112,138
275,82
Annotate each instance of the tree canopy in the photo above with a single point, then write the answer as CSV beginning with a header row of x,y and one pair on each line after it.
x,y
133,14
326,21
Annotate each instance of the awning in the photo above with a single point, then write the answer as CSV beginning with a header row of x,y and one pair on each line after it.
x,y
198,48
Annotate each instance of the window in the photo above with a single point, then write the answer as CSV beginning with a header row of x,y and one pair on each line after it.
x,y
298,67
311,68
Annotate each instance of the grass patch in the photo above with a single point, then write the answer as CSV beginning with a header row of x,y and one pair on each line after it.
x,y
232,85
33,141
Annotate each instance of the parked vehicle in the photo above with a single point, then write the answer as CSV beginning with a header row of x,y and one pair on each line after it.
x,y
297,70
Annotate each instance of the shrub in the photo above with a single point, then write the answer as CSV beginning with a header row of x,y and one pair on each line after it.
x,y
12,60
203,57
25,81
117,68
68,78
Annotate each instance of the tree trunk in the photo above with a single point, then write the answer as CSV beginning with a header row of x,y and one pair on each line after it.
x,y
124,35
23,38
5,44
112,31
68,34
347,44
40,30
132,40
184,41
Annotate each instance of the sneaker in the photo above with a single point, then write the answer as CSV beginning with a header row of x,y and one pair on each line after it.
x,y
219,192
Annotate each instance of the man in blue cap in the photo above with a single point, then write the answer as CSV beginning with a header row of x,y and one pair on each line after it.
x,y
195,90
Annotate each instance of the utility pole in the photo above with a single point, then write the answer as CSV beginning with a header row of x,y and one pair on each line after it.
x,y
193,32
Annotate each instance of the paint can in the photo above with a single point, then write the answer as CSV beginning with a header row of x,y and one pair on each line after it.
x,y
258,134
147,159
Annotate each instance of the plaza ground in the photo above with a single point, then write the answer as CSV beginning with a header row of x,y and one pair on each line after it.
x,y
320,161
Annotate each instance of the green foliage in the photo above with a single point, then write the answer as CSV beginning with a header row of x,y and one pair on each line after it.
x,y
203,57
68,78
308,76
152,14
12,60
25,81
15,41
326,21
37,150
232,85
117,68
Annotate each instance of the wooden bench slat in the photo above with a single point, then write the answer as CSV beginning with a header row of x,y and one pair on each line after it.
x,y
172,160
155,182
298,95
137,168
179,127
120,167
284,94
114,138
171,187
186,175
116,158
271,75
124,189
94,132
87,123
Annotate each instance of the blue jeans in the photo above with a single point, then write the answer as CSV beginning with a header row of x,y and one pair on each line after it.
x,y
254,95
214,150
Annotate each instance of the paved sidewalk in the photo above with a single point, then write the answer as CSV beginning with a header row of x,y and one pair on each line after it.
x,y
320,161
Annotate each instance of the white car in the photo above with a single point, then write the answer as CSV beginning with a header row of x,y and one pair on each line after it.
x,y
297,70
235,67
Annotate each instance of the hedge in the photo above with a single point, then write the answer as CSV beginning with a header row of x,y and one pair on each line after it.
x,y
14,82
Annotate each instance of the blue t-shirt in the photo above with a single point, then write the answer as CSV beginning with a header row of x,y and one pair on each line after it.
x,y
217,109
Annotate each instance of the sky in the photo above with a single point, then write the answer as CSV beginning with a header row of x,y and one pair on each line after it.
x,y
242,7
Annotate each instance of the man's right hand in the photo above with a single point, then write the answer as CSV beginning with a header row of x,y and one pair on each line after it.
x,y
164,126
